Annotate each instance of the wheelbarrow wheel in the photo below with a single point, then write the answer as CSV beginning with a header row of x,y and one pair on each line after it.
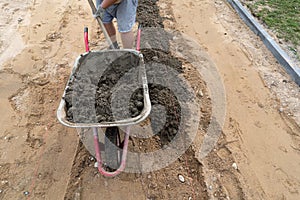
x,y
112,150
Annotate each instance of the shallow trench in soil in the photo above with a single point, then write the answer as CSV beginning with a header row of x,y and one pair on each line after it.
x,y
162,183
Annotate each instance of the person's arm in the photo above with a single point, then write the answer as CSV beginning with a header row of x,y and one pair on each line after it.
x,y
106,3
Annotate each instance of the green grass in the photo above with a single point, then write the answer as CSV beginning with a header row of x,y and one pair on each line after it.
x,y
282,16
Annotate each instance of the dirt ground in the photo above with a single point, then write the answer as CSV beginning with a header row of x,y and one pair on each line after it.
x,y
256,157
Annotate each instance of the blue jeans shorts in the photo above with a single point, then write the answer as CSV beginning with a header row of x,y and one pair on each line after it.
x,y
124,12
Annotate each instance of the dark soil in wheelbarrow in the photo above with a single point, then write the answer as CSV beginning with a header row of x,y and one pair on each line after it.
x,y
101,74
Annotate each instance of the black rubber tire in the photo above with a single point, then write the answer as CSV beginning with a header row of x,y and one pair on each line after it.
x,y
112,150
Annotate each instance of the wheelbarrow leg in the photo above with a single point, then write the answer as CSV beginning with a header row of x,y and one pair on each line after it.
x,y
123,157
97,146
112,148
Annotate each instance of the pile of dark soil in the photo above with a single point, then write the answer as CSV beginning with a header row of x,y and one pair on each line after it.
x,y
148,14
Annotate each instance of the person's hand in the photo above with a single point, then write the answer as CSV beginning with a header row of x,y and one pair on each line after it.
x,y
100,12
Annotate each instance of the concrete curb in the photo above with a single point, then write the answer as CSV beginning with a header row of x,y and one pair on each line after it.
x,y
279,54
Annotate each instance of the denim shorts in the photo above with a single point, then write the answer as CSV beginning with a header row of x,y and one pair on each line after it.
x,y
124,12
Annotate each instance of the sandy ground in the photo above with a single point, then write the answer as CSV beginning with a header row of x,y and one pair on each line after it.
x,y
40,156
266,139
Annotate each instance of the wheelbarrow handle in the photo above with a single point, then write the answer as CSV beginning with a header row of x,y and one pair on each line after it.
x,y
99,20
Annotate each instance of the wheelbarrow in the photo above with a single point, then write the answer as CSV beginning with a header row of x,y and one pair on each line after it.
x,y
85,104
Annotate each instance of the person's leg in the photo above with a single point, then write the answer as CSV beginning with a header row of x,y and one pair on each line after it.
x,y
127,40
111,31
126,14
107,19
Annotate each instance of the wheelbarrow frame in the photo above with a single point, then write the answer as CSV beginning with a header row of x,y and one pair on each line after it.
x,y
126,123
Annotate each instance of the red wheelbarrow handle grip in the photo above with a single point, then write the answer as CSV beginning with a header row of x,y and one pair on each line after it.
x,y
86,39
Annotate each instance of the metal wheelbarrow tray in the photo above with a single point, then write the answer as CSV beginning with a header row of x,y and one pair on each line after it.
x,y
101,93
89,87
